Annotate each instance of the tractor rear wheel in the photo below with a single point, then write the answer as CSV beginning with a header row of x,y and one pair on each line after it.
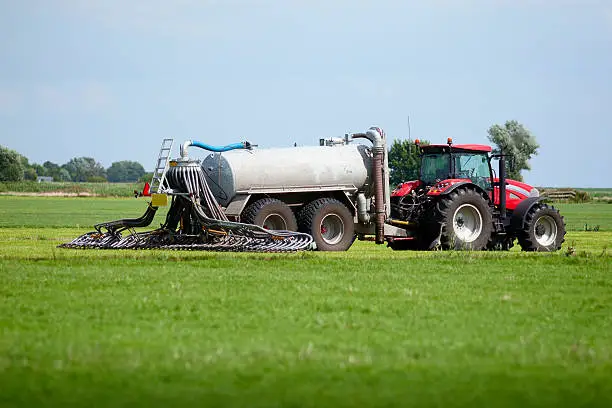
x,y
270,213
461,220
544,229
329,222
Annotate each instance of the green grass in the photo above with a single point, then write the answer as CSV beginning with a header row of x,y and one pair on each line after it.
x,y
55,212
598,192
369,327
98,189
589,214
127,189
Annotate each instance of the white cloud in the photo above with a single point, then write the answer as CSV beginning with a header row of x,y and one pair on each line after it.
x,y
11,101
96,97
177,17
87,97
51,98
608,17
57,99
212,17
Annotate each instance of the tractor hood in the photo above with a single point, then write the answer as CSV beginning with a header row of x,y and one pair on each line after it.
x,y
515,190
520,189
405,188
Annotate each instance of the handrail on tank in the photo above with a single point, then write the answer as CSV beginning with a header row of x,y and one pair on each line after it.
x,y
217,149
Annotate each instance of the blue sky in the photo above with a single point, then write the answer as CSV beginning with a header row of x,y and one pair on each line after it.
x,y
111,78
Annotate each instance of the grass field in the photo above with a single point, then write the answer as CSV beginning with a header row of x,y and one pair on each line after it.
x,y
369,327
96,189
598,192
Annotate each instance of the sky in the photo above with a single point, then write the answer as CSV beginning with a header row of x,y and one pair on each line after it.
x,y
110,79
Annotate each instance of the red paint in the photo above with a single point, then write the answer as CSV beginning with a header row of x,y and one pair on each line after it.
x,y
444,185
462,147
405,188
513,196
147,190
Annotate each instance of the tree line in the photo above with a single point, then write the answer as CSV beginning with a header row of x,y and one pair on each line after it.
x,y
16,167
517,143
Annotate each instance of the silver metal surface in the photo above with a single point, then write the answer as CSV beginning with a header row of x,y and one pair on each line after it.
x,y
309,168
545,230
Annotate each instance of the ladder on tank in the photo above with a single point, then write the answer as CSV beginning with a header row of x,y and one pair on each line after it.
x,y
161,167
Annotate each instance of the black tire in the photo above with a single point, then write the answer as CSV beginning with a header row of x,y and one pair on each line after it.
x,y
329,222
460,220
544,229
270,213
404,245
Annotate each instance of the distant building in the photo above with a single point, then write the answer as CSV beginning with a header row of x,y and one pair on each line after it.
x,y
44,179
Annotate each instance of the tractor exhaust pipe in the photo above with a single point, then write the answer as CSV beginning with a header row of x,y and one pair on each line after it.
x,y
381,191
379,204
502,185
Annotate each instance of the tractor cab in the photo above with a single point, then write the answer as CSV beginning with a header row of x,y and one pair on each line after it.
x,y
443,164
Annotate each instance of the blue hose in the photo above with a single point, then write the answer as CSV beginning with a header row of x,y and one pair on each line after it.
x,y
218,149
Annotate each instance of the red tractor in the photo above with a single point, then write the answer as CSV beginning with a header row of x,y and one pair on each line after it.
x,y
458,203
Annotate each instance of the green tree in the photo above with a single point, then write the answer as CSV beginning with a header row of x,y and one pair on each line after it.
x,y
84,169
125,171
53,170
63,175
11,166
40,170
404,161
518,143
146,178
29,170
30,174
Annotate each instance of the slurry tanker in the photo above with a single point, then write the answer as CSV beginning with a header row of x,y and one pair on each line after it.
x,y
243,198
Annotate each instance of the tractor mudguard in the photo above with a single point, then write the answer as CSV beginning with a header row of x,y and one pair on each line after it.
x,y
464,184
518,215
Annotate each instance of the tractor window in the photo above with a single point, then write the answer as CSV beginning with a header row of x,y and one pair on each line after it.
x,y
474,167
434,167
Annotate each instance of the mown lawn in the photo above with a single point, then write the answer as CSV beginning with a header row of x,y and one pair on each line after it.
x,y
369,327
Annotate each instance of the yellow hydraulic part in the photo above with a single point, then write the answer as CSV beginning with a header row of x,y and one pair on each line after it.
x,y
159,200
400,223
214,231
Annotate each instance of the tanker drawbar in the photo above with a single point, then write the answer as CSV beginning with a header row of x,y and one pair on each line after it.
x,y
195,220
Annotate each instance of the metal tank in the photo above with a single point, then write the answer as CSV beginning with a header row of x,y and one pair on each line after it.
x,y
285,170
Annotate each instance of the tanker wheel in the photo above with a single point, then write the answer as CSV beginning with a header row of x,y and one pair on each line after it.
x,y
270,213
461,220
329,222
544,229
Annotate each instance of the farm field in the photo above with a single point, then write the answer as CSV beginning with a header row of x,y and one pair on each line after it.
x,y
370,327
598,192
70,188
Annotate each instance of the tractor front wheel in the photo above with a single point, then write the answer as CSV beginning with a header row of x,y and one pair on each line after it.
x,y
543,229
461,220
